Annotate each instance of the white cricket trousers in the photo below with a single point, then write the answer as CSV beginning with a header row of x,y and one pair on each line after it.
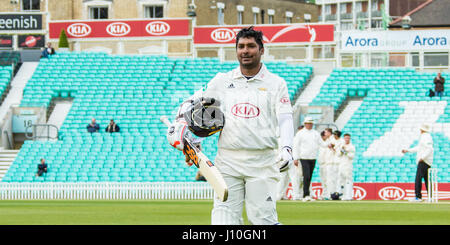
x,y
346,180
333,178
251,183
292,175
324,169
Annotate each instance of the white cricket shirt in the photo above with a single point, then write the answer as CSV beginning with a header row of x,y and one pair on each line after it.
x,y
307,144
250,108
424,149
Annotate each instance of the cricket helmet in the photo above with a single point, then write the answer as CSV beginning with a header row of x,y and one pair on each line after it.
x,y
204,117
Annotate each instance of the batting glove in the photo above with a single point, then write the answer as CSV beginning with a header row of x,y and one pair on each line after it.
x,y
176,133
285,158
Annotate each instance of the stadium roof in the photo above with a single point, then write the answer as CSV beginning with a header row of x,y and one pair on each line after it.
x,y
433,13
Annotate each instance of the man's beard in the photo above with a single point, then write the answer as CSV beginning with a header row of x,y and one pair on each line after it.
x,y
251,65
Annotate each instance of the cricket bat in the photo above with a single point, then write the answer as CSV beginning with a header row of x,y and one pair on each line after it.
x,y
206,167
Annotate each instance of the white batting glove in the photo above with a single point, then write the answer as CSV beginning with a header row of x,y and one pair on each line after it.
x,y
176,133
285,158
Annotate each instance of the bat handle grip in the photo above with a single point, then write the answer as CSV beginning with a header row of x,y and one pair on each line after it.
x,y
165,120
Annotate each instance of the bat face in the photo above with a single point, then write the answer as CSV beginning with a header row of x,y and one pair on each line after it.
x,y
191,150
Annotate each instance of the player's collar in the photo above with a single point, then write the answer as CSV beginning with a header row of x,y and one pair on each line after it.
x,y
260,76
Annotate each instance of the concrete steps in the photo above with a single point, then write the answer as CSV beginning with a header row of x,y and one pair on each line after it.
x,y
7,157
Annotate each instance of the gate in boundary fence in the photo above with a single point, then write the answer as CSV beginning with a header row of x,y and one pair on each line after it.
x,y
105,191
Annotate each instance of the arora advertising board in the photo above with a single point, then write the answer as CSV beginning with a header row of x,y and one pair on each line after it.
x,y
395,40
292,33
121,28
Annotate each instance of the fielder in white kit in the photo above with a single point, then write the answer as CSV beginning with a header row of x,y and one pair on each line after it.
x,y
323,160
255,103
333,169
347,153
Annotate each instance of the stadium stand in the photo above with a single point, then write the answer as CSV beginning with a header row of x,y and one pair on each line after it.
x,y
5,80
134,91
392,97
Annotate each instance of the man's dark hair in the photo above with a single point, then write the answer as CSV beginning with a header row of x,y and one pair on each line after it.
x,y
329,130
337,133
250,32
347,134
322,133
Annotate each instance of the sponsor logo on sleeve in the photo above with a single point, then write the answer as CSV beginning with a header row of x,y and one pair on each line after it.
x,y
285,100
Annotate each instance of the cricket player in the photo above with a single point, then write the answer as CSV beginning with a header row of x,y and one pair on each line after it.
x,y
323,160
424,159
336,143
347,153
292,175
255,102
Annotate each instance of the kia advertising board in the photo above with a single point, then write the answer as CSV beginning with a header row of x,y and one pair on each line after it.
x,y
118,29
382,191
292,33
395,40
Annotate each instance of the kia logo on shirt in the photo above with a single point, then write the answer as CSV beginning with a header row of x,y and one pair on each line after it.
x,y
222,35
157,28
118,29
391,193
245,110
79,30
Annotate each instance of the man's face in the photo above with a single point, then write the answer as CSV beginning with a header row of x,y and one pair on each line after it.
x,y
347,139
308,126
248,52
327,133
93,121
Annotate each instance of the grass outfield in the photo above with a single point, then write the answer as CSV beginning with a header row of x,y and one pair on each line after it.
x,y
198,213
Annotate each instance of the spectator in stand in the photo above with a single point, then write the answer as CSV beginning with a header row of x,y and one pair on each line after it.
x,y
49,50
42,168
439,85
93,126
112,127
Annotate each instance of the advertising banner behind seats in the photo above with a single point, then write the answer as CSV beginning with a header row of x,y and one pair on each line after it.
x,y
292,33
120,28
395,40
383,191
20,22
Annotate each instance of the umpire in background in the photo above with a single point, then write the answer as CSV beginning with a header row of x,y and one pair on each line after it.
x,y
306,149
424,159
